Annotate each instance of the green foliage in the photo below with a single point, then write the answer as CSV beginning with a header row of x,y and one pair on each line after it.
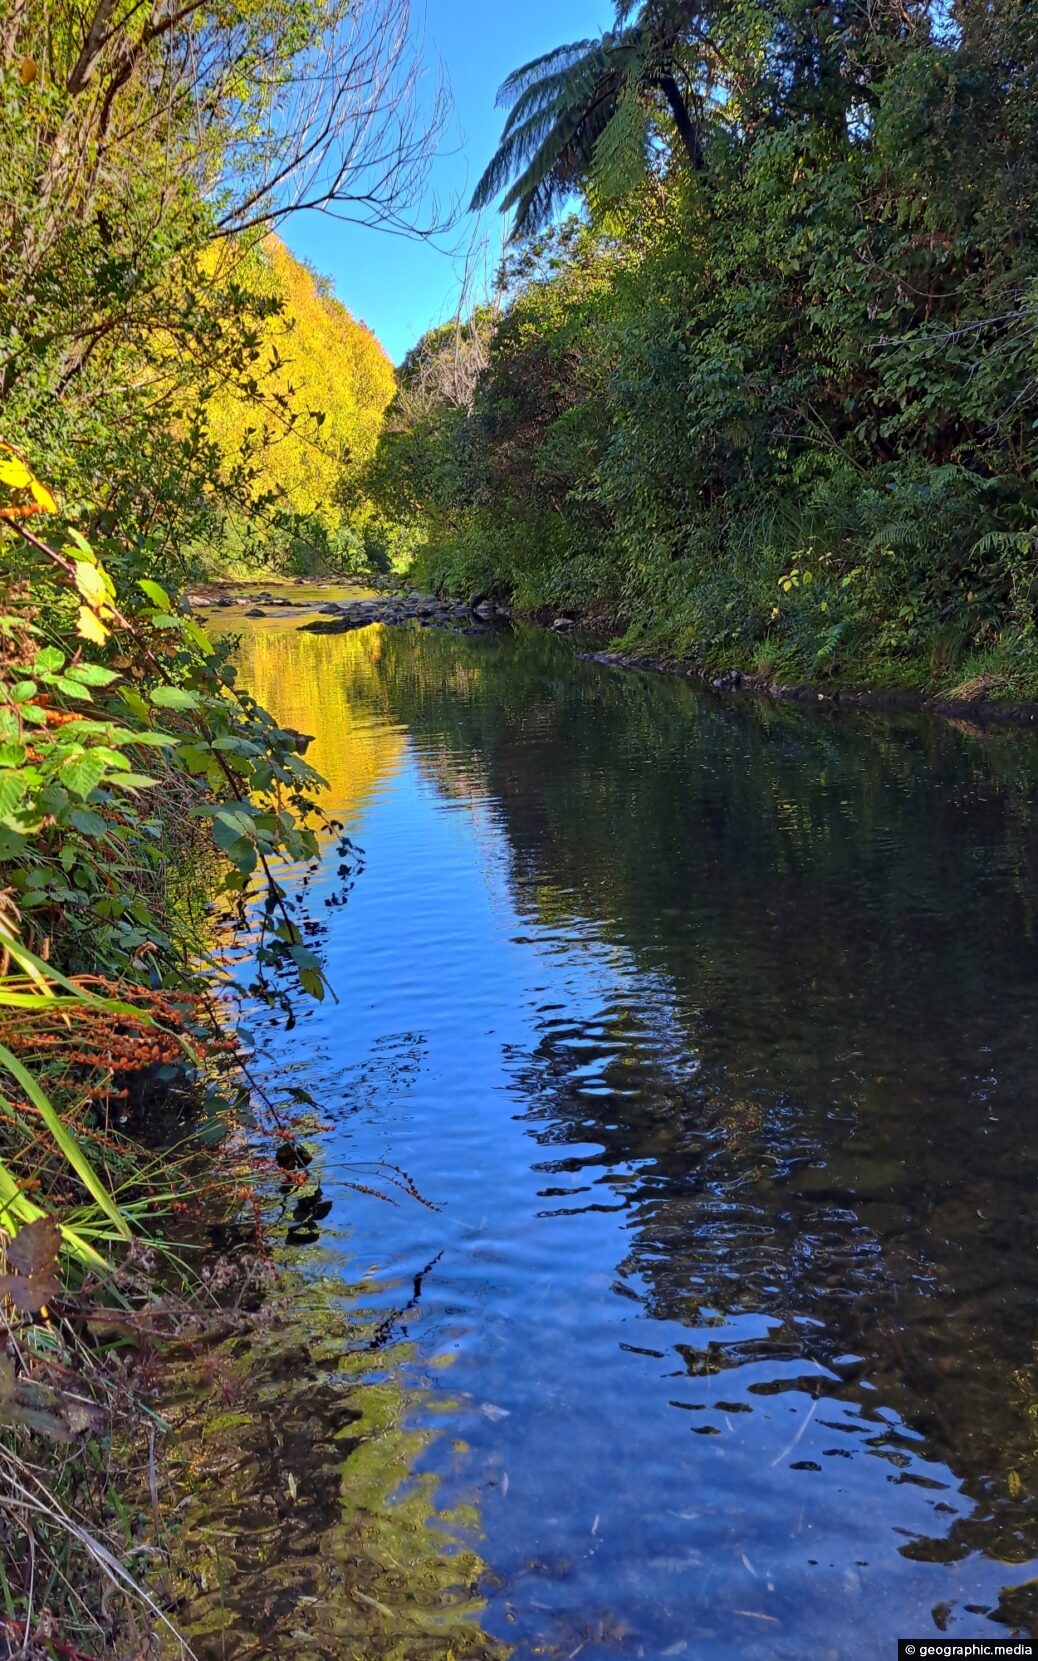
x,y
120,729
816,356
89,748
163,359
580,118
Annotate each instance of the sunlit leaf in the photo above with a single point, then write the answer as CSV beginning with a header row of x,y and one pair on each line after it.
x,y
92,674
155,593
83,772
13,791
13,472
91,583
90,627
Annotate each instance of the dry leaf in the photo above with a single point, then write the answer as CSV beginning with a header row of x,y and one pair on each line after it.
x,y
33,1256
34,1249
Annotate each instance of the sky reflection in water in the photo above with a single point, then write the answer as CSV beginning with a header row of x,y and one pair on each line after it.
x,y
710,1027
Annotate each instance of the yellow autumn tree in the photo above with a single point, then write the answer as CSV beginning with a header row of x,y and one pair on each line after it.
x,y
308,411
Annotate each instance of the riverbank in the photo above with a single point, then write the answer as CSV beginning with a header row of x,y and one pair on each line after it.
x,y
358,607
139,788
971,701
341,607
983,710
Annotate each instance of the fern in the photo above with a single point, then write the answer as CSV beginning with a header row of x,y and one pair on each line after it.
x,y
620,153
1005,542
579,119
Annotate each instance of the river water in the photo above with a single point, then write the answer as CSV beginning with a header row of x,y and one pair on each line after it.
x,y
708,1026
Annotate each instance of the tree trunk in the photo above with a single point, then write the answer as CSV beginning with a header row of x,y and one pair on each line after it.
x,y
687,130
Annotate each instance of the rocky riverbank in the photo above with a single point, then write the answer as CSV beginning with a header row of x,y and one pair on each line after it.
x,y
340,616
324,615
395,608
976,708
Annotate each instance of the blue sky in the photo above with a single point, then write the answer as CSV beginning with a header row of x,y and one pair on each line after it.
x,y
402,287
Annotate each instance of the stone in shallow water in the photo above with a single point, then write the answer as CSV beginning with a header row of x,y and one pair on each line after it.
x,y
331,625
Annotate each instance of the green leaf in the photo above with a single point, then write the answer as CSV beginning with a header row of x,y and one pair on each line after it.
x,y
154,740
195,758
134,703
243,855
237,746
155,593
230,825
133,781
52,799
13,791
92,674
12,754
173,697
113,758
49,658
88,822
83,773
197,635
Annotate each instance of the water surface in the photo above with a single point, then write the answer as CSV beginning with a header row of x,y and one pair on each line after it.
x,y
709,1027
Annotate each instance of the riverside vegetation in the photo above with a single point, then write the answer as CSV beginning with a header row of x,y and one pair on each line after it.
x,y
768,401
178,396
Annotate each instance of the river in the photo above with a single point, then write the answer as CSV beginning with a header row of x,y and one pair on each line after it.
x,y
708,1027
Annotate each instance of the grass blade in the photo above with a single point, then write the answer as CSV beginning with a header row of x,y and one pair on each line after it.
x,y
64,1139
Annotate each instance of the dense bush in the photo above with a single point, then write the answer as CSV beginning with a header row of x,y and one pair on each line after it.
x,y
778,413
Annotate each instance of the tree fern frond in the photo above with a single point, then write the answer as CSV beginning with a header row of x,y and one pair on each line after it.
x,y
554,62
568,87
565,152
536,205
511,156
579,117
620,152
